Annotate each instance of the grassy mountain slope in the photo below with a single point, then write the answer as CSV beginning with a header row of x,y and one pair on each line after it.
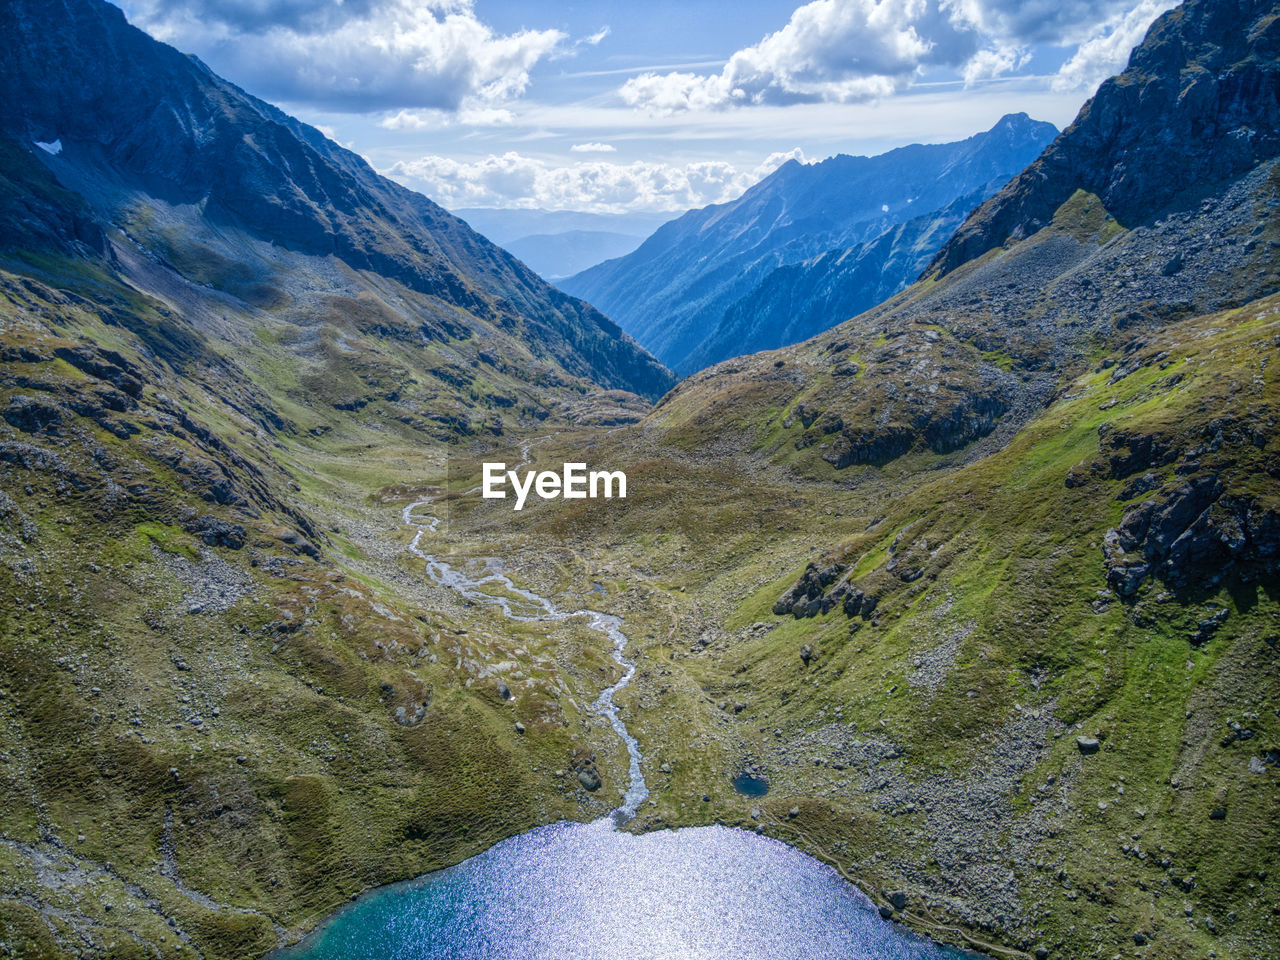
x,y
230,701
229,354
959,704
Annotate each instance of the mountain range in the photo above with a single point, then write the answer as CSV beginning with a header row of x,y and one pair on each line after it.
x,y
701,289
981,582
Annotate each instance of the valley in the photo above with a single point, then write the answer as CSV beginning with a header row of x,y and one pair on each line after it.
x,y
970,595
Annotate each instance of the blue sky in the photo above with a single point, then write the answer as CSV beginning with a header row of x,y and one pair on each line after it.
x,y
615,107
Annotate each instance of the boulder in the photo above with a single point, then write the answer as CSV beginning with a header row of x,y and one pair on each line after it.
x,y
1088,745
216,532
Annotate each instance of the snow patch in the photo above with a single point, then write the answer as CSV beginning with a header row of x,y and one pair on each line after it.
x,y
53,148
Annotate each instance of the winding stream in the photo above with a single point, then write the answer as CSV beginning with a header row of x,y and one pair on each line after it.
x,y
527,606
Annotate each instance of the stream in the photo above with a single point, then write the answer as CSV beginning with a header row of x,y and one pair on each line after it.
x,y
529,607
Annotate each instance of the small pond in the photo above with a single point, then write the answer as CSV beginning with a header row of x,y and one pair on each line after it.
x,y
750,786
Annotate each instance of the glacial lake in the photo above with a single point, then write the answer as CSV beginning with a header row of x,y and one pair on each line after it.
x,y
573,891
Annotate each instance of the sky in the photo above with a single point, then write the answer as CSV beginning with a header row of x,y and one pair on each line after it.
x,y
614,107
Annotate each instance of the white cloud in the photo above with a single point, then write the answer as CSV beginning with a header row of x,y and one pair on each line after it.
x,y
834,50
1022,22
513,180
355,56
593,147
595,38
1107,51
844,51
775,160
992,62
469,115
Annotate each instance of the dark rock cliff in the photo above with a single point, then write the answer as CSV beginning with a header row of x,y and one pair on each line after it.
x,y
1198,103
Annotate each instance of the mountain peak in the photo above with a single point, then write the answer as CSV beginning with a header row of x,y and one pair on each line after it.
x,y
1198,102
678,294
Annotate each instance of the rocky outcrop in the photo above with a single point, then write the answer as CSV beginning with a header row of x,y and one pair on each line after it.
x,y
1189,537
813,594
1198,103
807,597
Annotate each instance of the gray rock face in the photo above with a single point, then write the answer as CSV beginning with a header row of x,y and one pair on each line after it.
x,y
216,532
32,415
807,597
1197,103
1190,535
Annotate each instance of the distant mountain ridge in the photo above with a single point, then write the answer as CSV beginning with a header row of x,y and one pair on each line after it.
x,y
800,300
560,243
558,255
673,292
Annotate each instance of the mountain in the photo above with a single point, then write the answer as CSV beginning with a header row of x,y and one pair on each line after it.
x,y
800,300
156,144
230,356
672,293
1004,324
982,582
1197,104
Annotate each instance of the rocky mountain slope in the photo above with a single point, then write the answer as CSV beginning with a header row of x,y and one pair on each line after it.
x,y
800,300
677,293
151,140
1197,104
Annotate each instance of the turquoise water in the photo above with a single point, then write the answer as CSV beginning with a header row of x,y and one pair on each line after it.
x,y
590,892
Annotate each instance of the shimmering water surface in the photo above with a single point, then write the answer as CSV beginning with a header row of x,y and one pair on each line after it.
x,y
592,892
574,891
